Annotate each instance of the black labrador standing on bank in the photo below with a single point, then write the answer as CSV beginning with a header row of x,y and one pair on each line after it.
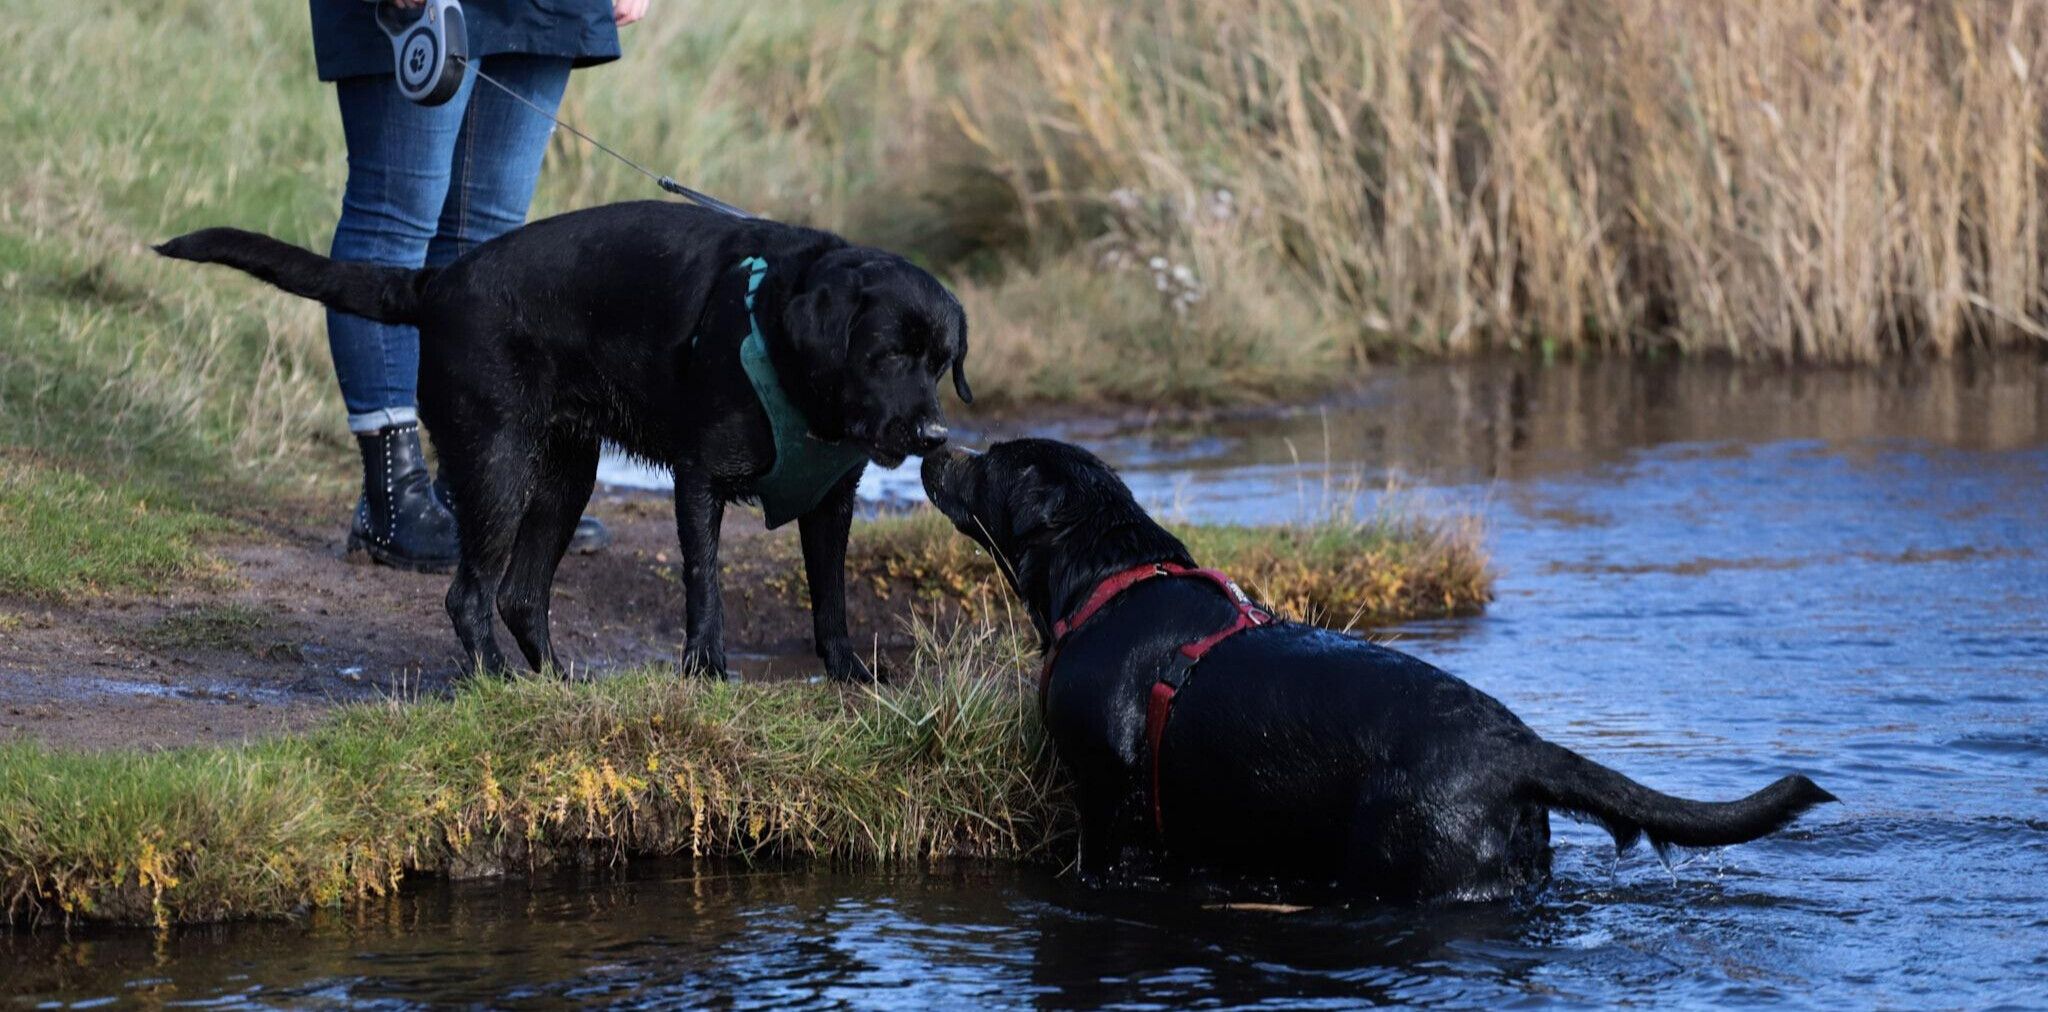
x,y
757,360
1202,732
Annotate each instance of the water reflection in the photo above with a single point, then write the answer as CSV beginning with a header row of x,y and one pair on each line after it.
x,y
1514,422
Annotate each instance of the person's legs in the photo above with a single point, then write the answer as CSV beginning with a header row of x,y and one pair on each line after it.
x,y
399,158
496,164
497,154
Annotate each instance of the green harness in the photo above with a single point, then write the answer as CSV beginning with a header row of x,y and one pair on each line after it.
x,y
806,467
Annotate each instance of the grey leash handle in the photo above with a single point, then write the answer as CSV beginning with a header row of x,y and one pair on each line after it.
x,y
428,49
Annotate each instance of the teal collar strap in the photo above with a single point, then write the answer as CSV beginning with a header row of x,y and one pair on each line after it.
x,y
806,467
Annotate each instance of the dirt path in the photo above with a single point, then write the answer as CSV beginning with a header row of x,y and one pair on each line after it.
x,y
295,627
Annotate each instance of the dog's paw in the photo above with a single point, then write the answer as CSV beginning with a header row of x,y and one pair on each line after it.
x,y
843,665
708,664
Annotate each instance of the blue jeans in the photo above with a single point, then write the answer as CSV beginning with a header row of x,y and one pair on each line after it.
x,y
424,186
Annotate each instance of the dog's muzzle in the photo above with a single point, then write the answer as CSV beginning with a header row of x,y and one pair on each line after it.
x,y
900,438
939,463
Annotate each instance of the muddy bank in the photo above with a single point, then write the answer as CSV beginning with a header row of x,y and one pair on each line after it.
x,y
293,627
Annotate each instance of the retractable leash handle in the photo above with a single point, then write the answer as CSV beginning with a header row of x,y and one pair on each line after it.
x,y
428,48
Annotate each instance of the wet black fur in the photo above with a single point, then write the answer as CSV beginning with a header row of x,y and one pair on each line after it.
x,y
1293,754
536,345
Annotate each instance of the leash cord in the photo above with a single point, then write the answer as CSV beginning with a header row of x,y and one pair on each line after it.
x,y
665,182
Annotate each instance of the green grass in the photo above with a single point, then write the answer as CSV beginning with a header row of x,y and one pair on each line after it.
x,y
511,776
62,534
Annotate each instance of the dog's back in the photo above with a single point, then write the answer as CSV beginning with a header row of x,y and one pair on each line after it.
x,y
1318,758
1314,757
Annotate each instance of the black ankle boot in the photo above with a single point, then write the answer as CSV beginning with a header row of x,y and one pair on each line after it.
x,y
590,538
399,521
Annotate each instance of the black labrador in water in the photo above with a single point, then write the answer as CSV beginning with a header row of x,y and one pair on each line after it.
x,y
1203,733
755,359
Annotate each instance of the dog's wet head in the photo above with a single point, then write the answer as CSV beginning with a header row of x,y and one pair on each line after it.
x,y
1025,498
1055,517
877,333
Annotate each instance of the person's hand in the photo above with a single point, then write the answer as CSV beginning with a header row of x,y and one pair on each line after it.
x,y
625,12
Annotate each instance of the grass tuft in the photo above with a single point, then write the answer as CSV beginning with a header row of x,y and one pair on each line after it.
x,y
1340,569
212,626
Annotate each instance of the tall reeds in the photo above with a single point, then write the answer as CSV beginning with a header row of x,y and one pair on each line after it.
x,y
1806,179
1190,200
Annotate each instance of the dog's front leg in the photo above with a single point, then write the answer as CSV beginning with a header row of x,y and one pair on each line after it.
x,y
700,513
1101,843
823,531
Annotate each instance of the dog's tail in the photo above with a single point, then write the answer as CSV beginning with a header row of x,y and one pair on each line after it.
x,y
384,294
1564,779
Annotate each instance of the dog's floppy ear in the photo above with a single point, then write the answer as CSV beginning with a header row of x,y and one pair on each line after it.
x,y
818,324
960,386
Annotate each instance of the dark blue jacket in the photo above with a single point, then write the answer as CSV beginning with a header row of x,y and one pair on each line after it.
x,y
347,42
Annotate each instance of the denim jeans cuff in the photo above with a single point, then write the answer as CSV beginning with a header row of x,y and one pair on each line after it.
x,y
382,418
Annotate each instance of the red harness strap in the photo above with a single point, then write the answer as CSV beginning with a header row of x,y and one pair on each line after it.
x,y
1178,666
1104,592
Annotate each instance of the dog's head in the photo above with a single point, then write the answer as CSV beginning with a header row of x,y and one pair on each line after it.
x,y
873,333
1056,518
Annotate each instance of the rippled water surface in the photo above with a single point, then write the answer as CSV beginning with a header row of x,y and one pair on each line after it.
x,y
1708,577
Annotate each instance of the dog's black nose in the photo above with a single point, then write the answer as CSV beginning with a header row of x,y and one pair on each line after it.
x,y
931,436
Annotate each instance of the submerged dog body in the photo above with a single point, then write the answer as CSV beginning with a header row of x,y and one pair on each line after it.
x,y
1290,752
591,325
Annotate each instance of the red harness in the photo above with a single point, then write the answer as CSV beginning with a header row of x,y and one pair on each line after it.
x,y
1179,664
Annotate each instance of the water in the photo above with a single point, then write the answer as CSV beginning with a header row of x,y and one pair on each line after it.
x,y
1708,577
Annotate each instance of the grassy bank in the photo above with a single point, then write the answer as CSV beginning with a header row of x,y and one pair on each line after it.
x,y
505,777
1339,569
